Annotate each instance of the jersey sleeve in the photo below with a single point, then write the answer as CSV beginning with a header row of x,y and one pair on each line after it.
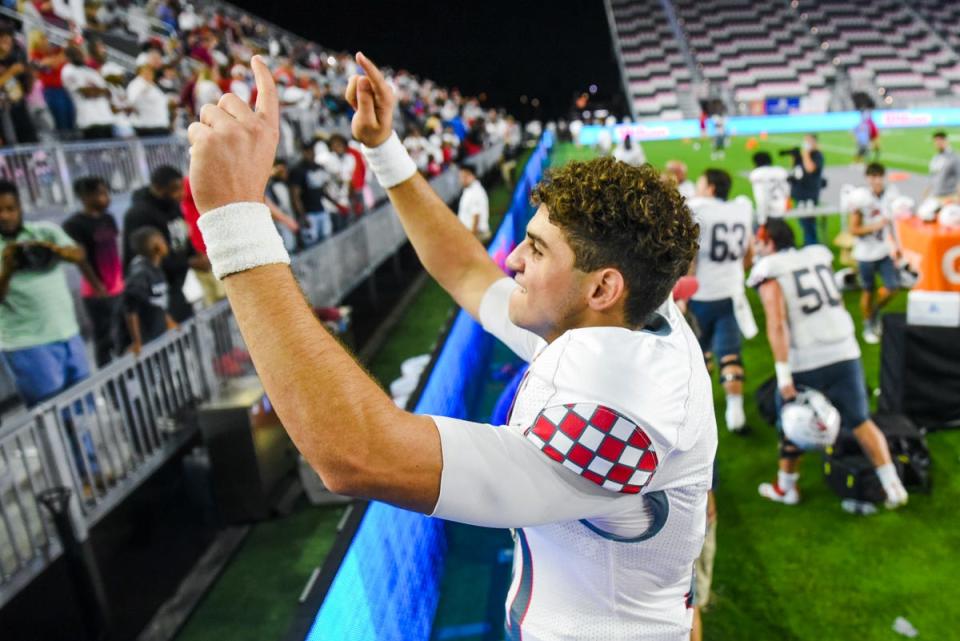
x,y
763,270
498,477
495,319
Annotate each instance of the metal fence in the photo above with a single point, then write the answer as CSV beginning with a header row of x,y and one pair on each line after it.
x,y
44,173
105,436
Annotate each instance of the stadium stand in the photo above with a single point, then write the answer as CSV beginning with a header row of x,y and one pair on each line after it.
x,y
900,53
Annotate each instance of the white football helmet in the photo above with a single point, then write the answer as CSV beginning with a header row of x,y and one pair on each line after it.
x,y
927,211
950,215
860,198
846,279
902,207
810,421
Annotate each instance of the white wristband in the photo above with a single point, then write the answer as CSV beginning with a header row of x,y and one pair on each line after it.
x,y
241,236
784,375
390,161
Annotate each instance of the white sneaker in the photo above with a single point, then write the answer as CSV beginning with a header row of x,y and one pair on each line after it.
x,y
735,419
869,336
896,496
773,492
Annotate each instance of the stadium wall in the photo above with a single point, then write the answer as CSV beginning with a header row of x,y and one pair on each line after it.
x,y
386,586
649,130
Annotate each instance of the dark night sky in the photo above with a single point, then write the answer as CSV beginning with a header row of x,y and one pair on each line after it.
x,y
506,48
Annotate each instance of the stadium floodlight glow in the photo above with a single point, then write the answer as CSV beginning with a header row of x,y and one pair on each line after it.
x,y
881,90
593,88
535,102
331,61
825,46
888,100
814,30
803,16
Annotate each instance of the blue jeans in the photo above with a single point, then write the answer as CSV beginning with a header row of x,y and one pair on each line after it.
x,y
43,371
809,226
884,267
61,107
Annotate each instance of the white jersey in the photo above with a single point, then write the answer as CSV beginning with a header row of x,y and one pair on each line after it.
x,y
603,469
821,330
771,192
873,209
633,156
725,236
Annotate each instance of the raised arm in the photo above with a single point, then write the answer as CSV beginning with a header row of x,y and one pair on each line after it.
x,y
447,249
346,427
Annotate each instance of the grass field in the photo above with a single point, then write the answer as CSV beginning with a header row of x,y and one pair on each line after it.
x,y
813,572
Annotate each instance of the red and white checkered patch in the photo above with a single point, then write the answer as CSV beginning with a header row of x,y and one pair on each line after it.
x,y
598,443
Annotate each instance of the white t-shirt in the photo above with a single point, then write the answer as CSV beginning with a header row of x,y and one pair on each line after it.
x,y
241,89
205,92
873,209
771,191
603,468
725,236
150,104
821,330
474,201
90,111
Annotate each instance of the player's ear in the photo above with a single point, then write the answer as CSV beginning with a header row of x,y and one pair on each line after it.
x,y
607,289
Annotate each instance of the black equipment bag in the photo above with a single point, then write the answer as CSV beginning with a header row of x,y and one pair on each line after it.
x,y
908,449
852,476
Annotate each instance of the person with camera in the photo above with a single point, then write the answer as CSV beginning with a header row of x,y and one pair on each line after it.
x,y
39,335
807,183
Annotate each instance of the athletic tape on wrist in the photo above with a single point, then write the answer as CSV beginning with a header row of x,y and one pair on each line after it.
x,y
241,236
784,375
390,161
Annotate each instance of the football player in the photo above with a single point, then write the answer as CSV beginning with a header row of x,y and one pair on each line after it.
x,y
874,250
725,248
604,466
771,189
813,342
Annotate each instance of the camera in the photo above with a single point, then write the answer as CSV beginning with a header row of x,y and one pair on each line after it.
x,y
34,257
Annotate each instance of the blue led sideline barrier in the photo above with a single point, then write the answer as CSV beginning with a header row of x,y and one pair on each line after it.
x,y
792,123
387,586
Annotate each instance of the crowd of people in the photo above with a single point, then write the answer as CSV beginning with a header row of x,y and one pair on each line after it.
x,y
134,269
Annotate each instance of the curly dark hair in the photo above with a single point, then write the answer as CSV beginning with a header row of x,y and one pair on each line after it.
x,y
616,215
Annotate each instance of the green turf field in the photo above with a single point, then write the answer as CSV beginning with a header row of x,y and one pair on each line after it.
x,y
813,572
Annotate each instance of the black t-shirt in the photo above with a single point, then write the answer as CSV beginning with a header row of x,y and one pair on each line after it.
x,y
145,294
312,179
25,79
809,184
99,237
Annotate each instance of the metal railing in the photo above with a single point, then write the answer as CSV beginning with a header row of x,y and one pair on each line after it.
x,y
44,173
103,437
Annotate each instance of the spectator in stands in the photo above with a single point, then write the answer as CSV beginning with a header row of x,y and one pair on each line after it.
x,y
944,170
116,80
342,165
39,335
419,148
211,285
90,95
158,205
96,54
95,230
474,208
144,314
240,83
676,172
151,109
630,152
16,81
207,88
309,183
278,199
48,62
808,181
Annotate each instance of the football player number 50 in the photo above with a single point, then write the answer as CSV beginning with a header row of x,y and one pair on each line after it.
x,y
816,288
